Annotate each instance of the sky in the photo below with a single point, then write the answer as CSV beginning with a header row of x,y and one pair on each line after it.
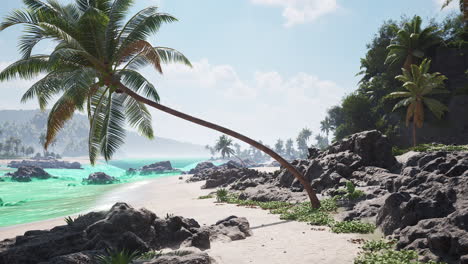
x,y
265,68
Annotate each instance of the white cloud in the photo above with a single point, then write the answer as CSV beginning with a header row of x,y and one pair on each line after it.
x,y
301,11
265,105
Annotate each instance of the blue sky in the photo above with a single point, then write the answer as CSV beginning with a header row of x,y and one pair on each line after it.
x,y
264,67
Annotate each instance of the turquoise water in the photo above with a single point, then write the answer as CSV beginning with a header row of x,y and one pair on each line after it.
x,y
66,195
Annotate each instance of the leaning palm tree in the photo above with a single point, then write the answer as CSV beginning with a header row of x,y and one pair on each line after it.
x,y
411,43
420,85
94,68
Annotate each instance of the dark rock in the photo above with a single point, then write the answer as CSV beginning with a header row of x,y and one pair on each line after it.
x,y
100,178
158,167
268,193
192,258
202,166
27,173
373,147
122,227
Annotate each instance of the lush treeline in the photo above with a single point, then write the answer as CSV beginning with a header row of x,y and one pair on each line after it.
x,y
289,149
387,95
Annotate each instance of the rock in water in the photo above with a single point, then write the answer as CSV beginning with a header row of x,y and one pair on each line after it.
x,y
100,178
157,167
26,173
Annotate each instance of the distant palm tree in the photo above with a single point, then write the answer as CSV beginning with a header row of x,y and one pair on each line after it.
x,y
224,146
326,126
94,67
412,42
420,85
302,139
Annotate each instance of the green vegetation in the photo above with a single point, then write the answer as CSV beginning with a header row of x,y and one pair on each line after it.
x,y
420,84
118,257
429,148
397,44
303,212
352,227
350,192
381,251
209,196
222,195
69,220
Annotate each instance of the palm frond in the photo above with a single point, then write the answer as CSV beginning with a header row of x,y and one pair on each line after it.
x,y
113,129
137,83
26,68
138,117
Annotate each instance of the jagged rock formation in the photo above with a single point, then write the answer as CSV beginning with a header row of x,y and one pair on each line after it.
x,y
100,178
201,166
421,199
158,167
122,227
27,173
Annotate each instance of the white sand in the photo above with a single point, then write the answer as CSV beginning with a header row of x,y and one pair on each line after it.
x,y
273,241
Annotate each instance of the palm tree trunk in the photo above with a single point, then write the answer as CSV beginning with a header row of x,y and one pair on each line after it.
x,y
414,133
243,163
314,201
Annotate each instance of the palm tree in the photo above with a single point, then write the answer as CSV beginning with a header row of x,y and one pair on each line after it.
x,y
420,85
279,146
94,68
412,42
326,125
302,139
289,148
224,146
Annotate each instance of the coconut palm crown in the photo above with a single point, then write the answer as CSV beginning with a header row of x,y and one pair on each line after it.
x,y
224,146
419,85
95,52
412,42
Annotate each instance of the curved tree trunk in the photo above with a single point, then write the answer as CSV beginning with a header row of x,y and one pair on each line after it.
x,y
311,193
243,163
414,133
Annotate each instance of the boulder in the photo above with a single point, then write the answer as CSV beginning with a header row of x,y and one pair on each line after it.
x,y
122,227
158,167
201,166
189,258
100,178
27,173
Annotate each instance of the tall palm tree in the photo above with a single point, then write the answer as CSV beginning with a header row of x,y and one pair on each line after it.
x,y
326,125
412,42
302,139
94,68
420,85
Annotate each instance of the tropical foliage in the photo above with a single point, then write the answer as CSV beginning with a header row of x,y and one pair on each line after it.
x,y
96,51
368,106
419,85
224,146
412,42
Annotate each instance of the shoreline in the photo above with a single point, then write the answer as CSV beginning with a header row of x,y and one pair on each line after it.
x,y
271,241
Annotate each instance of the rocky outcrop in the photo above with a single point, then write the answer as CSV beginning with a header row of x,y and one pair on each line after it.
x,y
46,164
201,166
190,258
122,227
27,173
221,177
158,167
99,178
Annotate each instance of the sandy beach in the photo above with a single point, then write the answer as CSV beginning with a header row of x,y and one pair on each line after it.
x,y
273,240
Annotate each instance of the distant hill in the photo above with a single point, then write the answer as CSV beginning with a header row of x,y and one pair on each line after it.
x,y
72,141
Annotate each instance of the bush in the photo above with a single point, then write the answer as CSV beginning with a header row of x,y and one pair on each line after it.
x,y
352,227
381,251
118,257
429,147
350,192
222,195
